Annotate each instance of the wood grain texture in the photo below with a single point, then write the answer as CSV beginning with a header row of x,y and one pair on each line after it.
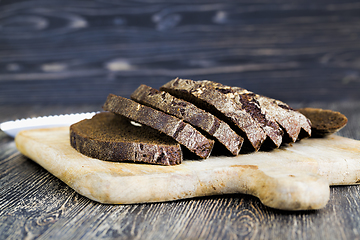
x,y
79,51
36,205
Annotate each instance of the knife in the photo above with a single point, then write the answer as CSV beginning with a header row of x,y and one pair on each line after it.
x,y
11,128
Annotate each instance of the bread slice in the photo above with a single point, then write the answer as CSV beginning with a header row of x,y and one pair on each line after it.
x,y
323,121
111,137
187,111
219,105
182,132
303,122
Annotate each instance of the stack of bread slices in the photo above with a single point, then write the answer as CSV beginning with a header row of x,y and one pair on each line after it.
x,y
186,116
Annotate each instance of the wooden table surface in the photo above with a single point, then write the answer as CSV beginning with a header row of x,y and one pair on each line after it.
x,y
61,57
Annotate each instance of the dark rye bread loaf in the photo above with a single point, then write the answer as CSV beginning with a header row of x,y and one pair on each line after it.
x,y
111,137
187,111
274,111
219,105
174,127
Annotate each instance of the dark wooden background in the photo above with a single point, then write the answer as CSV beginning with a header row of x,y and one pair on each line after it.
x,y
66,56
78,51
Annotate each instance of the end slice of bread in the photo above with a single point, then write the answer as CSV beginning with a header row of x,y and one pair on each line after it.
x,y
172,126
111,137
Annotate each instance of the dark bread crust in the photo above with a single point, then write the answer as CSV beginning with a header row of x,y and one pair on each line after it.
x,y
113,138
187,111
182,132
219,105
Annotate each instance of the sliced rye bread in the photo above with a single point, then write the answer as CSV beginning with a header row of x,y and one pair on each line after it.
x,y
111,137
187,111
219,105
286,118
295,124
182,132
247,100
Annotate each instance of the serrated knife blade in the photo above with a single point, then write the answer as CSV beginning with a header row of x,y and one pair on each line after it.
x,y
11,128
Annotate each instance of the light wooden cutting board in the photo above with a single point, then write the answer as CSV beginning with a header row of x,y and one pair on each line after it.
x,y
294,177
